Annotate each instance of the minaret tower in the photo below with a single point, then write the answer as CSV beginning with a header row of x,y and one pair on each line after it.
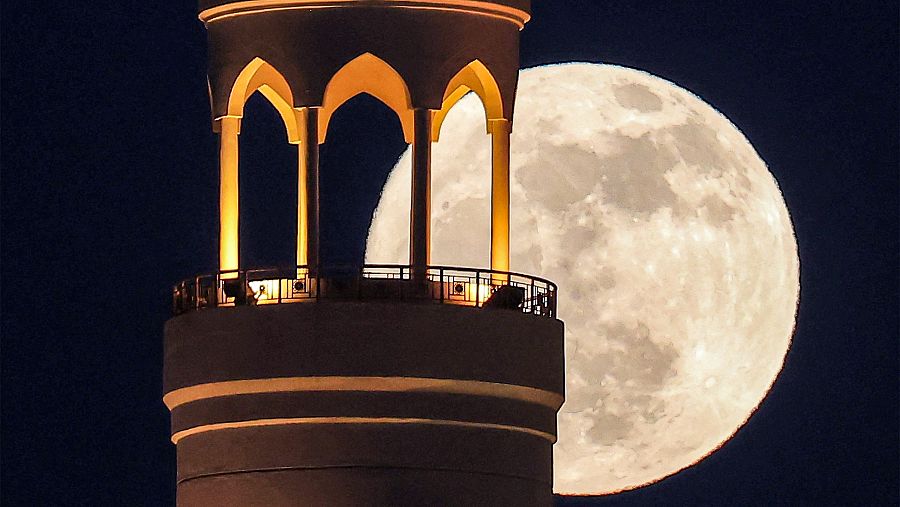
x,y
383,385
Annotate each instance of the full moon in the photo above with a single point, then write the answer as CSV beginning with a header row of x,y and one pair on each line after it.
x,y
668,238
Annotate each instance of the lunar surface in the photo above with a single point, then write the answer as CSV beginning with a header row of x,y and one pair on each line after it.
x,y
671,246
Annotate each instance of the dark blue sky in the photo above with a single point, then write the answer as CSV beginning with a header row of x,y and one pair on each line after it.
x,y
109,197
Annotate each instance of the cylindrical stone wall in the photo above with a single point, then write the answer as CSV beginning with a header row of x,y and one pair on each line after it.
x,y
348,403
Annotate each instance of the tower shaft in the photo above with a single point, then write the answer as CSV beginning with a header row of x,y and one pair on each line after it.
x,y
345,403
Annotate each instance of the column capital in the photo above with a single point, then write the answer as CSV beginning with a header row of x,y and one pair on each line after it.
x,y
499,126
231,124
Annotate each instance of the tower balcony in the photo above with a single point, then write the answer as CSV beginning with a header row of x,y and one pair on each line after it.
x,y
378,394
479,288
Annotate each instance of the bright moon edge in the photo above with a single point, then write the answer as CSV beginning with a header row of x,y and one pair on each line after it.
x,y
610,100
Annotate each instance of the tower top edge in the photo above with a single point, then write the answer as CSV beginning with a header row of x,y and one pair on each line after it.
x,y
516,11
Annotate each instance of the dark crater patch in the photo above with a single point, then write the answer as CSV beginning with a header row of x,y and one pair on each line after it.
x,y
644,361
635,177
560,176
638,97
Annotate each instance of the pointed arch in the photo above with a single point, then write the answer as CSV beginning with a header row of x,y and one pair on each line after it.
x,y
474,77
367,74
260,76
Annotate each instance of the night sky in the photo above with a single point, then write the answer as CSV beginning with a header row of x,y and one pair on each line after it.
x,y
109,197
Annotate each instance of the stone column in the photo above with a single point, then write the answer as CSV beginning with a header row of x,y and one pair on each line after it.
x,y
308,191
500,131
229,253
420,214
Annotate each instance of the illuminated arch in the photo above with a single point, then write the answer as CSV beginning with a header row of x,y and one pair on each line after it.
x,y
260,76
367,74
474,77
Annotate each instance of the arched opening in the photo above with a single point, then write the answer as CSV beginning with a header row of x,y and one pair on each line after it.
x,y
268,188
461,188
367,74
365,140
257,76
477,79
364,104
474,77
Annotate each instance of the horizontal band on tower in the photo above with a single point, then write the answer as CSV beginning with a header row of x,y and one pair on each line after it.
x,y
370,384
477,7
356,420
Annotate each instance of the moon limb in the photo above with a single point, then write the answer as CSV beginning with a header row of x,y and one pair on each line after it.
x,y
668,238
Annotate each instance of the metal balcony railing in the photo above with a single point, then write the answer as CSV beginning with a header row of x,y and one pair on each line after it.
x,y
439,284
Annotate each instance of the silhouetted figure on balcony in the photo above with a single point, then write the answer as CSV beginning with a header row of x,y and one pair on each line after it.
x,y
506,297
251,297
240,290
